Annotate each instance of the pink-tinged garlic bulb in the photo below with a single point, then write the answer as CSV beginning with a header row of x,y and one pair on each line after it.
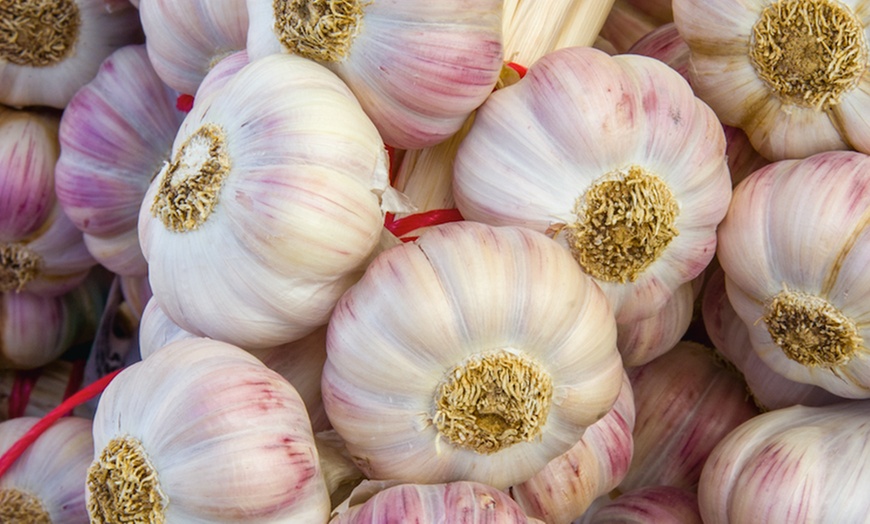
x,y
653,504
474,353
459,502
686,402
185,39
33,393
796,464
799,286
625,167
51,48
202,431
730,336
115,136
791,73
46,484
418,68
627,24
568,485
271,201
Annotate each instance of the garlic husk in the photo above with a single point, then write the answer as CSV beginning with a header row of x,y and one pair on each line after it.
x,y
46,483
115,135
460,501
50,383
418,68
748,63
796,464
593,142
290,215
81,33
412,343
686,402
339,471
567,486
729,335
185,39
136,292
211,412
658,504
798,286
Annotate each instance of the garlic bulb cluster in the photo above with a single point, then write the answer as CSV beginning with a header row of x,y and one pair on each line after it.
x,y
271,202
791,73
44,486
615,158
418,68
51,48
115,134
185,39
474,353
218,438
796,464
801,291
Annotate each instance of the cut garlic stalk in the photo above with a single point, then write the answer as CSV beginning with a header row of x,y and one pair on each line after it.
x,y
796,464
801,292
418,68
475,353
654,504
46,484
791,73
51,48
216,437
634,184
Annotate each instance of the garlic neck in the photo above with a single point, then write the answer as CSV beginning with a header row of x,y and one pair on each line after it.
x,y
20,506
38,33
320,30
123,485
493,400
808,52
18,266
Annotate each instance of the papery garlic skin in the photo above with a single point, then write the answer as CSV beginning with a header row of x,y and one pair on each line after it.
x,y
49,473
418,68
658,504
223,439
431,320
802,292
292,172
82,34
591,137
796,464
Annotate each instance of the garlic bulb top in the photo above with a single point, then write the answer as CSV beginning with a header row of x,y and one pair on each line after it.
x,y
791,73
269,206
419,68
474,353
615,158
51,48
794,249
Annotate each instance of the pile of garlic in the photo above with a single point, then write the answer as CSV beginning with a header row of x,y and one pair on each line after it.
x,y
396,260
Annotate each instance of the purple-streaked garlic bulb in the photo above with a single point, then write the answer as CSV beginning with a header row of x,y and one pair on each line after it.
x,y
648,505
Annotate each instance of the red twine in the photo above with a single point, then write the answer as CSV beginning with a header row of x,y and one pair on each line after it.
x,y
521,70
22,387
184,103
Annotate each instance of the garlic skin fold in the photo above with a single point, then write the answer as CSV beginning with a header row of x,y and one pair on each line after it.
x,y
474,353
802,293
418,68
612,156
269,207
796,464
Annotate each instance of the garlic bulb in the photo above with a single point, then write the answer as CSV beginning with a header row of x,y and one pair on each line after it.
x,y
51,48
567,486
658,504
796,464
791,73
474,353
185,39
633,184
799,285
218,437
418,68
269,207
34,393
115,134
627,24
46,484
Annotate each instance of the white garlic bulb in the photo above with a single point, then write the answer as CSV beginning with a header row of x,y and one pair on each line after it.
x,y
202,431
474,353
269,207
799,285
612,156
418,68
